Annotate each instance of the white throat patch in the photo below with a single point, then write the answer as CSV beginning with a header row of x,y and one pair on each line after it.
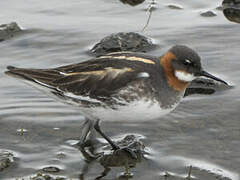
x,y
184,76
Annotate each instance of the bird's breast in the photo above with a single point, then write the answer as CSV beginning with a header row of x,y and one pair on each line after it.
x,y
134,111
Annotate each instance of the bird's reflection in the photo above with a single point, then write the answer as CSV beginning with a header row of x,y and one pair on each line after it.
x,y
231,10
125,152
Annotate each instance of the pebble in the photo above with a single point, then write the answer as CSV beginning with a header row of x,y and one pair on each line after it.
x,y
9,30
129,41
6,158
132,2
174,6
51,169
208,14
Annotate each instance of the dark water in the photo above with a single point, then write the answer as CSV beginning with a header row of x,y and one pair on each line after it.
x,y
204,131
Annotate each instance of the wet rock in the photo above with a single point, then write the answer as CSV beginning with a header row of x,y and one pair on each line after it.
x,y
9,30
51,169
41,176
6,158
231,3
132,151
208,14
205,86
174,6
219,8
130,41
132,2
61,155
232,14
231,10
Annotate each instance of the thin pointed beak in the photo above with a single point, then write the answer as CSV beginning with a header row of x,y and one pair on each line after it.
x,y
206,74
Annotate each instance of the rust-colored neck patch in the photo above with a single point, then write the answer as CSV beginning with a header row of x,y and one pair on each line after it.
x,y
173,81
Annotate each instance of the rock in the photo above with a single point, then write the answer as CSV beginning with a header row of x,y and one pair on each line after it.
x,y
9,30
232,14
205,86
41,176
132,2
61,155
51,169
174,6
132,151
231,3
6,158
208,14
130,41
231,10
219,8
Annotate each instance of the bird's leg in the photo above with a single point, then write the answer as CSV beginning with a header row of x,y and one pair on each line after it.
x,y
87,128
127,169
87,139
114,146
98,129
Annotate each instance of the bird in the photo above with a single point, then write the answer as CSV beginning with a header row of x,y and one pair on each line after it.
x,y
120,86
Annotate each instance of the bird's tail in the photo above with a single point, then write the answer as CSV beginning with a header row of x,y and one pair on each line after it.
x,y
39,76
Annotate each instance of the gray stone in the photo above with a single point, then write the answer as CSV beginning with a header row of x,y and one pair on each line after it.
x,y
219,8
9,30
231,3
41,176
208,14
6,158
51,169
174,6
132,2
231,10
130,41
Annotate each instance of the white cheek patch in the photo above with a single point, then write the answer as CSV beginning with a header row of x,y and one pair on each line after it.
x,y
184,76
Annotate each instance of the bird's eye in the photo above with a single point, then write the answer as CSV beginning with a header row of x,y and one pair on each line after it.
x,y
187,62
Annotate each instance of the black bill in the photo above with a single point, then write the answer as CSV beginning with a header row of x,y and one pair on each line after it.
x,y
206,74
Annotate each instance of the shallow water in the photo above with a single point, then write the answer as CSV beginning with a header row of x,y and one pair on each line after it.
x,y
203,131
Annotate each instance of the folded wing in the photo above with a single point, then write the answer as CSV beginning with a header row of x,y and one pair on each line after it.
x,y
92,78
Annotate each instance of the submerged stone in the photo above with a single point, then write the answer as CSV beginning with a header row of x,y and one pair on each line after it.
x,y
130,41
132,2
219,8
232,14
174,6
205,86
6,158
51,169
9,30
208,14
231,10
41,176
132,151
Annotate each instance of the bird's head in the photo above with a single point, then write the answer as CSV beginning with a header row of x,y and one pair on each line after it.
x,y
187,64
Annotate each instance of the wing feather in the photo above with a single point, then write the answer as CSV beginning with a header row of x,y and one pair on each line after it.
x,y
97,77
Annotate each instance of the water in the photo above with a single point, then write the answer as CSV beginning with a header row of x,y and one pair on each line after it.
x,y
203,131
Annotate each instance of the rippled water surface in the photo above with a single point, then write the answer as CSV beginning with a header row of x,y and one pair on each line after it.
x,y
204,131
